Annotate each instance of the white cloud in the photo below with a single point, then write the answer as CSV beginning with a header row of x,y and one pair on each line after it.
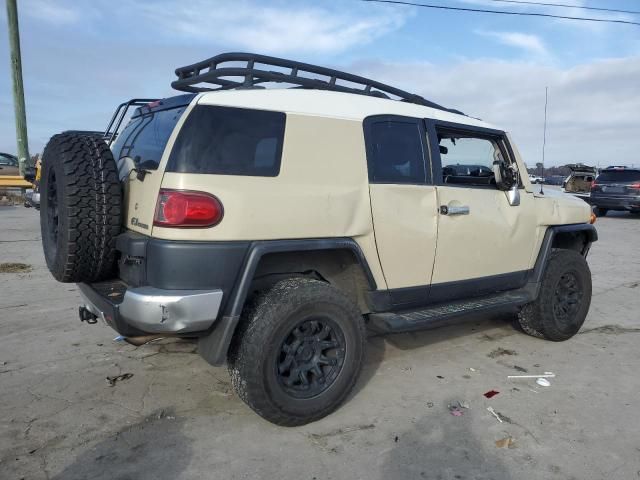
x,y
51,12
594,108
527,42
275,29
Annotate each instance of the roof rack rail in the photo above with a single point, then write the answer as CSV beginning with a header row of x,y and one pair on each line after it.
x,y
215,72
119,115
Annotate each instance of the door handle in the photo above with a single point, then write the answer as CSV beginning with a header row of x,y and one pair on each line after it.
x,y
455,210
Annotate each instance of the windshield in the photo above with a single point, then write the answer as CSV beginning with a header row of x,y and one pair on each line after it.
x,y
619,176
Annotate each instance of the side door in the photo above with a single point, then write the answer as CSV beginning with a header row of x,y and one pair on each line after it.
x,y
484,243
403,205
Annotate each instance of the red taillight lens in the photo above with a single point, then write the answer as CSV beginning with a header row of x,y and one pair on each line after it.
x,y
176,208
635,185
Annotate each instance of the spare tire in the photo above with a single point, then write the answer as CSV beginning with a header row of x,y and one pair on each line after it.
x,y
81,207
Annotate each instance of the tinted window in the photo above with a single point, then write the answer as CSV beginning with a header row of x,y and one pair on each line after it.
x,y
7,160
466,159
622,176
146,136
229,141
395,152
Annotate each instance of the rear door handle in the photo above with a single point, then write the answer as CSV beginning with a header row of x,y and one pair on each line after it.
x,y
455,210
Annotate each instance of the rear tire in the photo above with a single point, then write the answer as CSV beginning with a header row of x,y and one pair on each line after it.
x,y
81,207
600,212
563,301
297,352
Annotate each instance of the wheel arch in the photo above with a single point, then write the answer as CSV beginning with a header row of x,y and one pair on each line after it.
x,y
578,237
339,261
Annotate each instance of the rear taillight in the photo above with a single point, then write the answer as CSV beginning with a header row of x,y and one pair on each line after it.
x,y
184,209
635,185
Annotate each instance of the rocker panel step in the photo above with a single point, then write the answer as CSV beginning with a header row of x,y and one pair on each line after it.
x,y
439,314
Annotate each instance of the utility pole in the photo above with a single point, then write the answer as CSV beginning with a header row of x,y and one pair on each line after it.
x,y
18,90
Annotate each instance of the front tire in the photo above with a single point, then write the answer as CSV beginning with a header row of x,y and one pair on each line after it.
x,y
297,352
563,302
600,212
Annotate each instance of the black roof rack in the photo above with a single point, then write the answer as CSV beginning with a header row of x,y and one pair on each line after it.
x,y
216,72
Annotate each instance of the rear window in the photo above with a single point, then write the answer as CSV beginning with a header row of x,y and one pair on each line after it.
x,y
622,176
229,141
145,137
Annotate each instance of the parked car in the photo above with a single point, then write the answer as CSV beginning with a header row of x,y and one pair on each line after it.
x,y
578,183
616,188
535,178
278,225
8,165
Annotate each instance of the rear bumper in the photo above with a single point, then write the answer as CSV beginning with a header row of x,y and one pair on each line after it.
x,y
616,203
149,310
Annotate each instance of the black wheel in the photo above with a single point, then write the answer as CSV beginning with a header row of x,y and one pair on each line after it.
x,y
563,302
297,352
600,212
81,205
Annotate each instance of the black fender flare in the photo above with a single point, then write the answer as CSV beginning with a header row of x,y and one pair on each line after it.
x,y
587,229
214,346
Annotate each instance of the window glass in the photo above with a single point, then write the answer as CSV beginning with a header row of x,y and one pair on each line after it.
x,y
229,141
146,136
622,176
395,152
467,160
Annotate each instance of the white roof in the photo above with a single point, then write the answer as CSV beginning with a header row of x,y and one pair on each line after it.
x,y
328,104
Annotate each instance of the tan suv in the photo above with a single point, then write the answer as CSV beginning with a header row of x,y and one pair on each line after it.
x,y
278,225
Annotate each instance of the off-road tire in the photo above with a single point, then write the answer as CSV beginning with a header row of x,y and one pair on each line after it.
x,y
81,207
266,323
600,212
540,318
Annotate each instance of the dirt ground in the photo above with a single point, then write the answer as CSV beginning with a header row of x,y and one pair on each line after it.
x,y
177,417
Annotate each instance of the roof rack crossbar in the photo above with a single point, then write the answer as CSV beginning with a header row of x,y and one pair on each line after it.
x,y
210,71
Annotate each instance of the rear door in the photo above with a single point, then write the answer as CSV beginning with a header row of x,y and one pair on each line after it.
x,y
141,145
403,204
484,243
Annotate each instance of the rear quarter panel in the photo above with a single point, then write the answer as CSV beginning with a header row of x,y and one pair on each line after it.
x,y
322,191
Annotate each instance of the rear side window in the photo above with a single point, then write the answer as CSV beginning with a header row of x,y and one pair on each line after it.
x,y
229,141
395,151
622,176
145,137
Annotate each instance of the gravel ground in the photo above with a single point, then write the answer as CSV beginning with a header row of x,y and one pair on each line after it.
x,y
177,418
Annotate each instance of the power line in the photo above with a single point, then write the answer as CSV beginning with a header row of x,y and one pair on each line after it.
x,y
564,5
503,12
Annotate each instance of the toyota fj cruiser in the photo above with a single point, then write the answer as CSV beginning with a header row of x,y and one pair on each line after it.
x,y
279,225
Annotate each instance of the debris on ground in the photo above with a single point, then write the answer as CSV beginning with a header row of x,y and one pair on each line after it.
x,y
119,338
500,352
14,268
520,369
494,413
440,377
491,393
429,404
463,404
455,411
544,375
118,378
506,442
471,369
543,382
395,439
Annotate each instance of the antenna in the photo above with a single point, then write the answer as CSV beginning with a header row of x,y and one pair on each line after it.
x,y
544,136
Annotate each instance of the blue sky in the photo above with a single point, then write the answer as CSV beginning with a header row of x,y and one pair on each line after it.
x,y
82,58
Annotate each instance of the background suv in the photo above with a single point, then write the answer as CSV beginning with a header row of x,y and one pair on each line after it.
x,y
616,188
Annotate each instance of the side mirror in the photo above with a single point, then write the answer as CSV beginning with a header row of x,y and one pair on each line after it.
x,y
513,196
506,176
